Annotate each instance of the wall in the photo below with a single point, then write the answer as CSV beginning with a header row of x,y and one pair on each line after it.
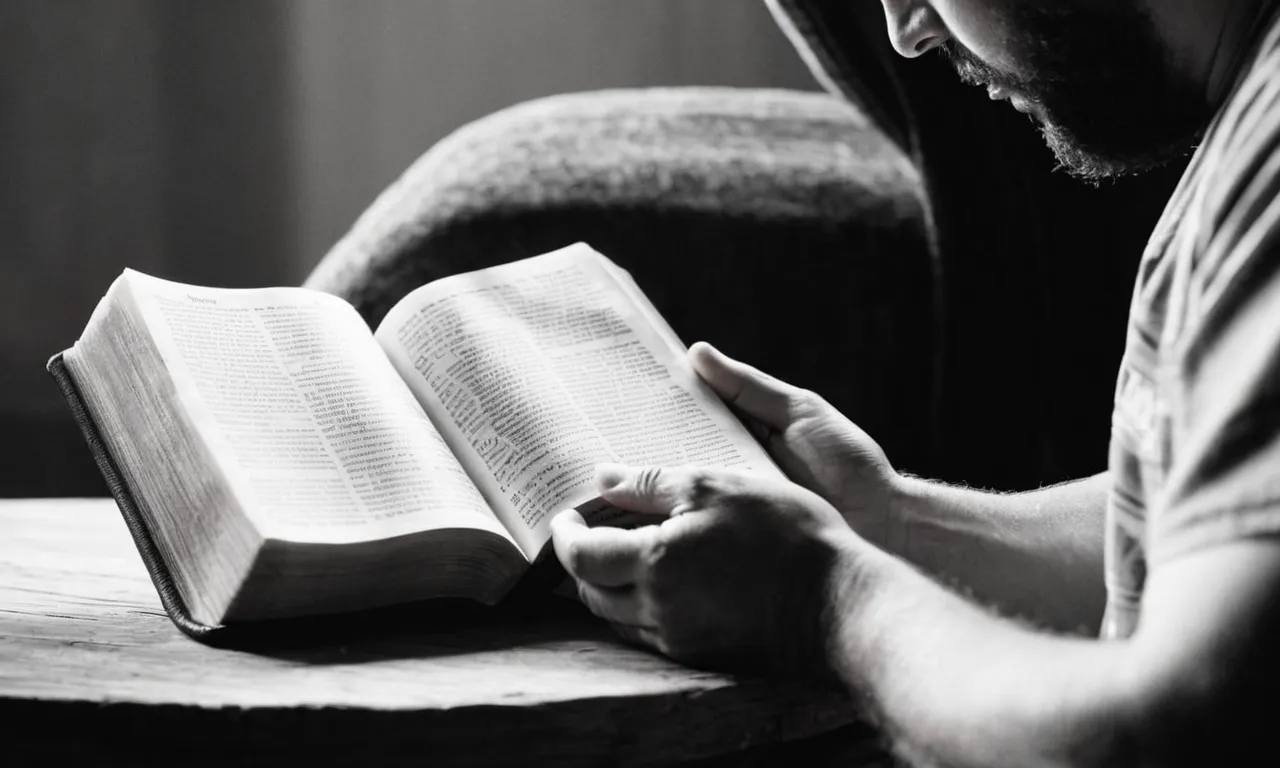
x,y
379,83
231,143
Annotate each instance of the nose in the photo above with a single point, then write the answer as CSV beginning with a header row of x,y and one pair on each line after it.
x,y
914,27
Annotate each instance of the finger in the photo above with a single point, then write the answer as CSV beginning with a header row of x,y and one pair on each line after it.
x,y
664,491
643,636
617,605
755,393
604,556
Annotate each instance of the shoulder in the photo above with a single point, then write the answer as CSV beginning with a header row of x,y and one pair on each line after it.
x,y
1240,148
1236,216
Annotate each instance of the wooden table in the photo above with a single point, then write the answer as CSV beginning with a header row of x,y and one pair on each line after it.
x,y
92,668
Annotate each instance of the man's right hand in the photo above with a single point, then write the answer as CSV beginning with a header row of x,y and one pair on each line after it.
x,y
813,442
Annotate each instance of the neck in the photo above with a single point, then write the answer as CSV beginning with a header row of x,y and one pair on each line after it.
x,y
1209,38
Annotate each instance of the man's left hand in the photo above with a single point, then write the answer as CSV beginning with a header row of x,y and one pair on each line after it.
x,y
737,571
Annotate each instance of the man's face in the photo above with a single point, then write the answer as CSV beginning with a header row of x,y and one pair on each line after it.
x,y
1095,75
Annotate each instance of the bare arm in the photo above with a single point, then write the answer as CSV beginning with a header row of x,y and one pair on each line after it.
x,y
1035,555
951,682
750,573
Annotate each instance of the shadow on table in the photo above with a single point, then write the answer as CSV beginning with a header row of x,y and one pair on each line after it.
x,y
432,629
535,614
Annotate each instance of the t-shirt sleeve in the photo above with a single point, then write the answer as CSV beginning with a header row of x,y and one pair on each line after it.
x,y
1223,372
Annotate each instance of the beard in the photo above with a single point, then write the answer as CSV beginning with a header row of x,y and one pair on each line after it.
x,y
1108,98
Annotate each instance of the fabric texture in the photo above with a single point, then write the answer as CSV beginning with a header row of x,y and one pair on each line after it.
x,y
782,226
1195,454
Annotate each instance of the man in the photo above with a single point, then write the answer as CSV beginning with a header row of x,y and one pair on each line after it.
x,y
1168,563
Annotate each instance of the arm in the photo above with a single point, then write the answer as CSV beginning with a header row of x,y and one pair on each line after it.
x,y
1050,538
950,682
746,573
1188,686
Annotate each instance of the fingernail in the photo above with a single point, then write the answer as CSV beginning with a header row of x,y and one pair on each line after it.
x,y
609,476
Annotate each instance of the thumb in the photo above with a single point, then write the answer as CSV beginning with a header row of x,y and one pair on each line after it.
x,y
650,490
755,393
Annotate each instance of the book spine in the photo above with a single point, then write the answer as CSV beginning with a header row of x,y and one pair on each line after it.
x,y
127,503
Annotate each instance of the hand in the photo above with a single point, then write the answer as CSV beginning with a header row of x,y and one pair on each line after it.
x,y
813,442
738,571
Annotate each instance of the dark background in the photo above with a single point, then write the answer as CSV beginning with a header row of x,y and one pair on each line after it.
x,y
231,143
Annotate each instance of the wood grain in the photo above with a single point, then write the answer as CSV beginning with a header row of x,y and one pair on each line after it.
x,y
85,648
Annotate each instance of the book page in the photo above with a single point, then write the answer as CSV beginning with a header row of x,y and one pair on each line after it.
x,y
319,436
538,370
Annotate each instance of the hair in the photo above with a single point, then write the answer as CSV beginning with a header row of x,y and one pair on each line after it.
x,y
1113,102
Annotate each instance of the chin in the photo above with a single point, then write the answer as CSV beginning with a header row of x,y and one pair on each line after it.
x,y
1095,166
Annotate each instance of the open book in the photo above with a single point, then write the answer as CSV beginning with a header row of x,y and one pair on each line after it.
x,y
287,462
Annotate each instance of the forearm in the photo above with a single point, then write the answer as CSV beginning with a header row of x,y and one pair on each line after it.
x,y
1037,555
953,684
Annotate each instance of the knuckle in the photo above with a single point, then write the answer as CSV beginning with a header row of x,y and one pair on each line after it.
x,y
666,584
648,480
703,485
575,559
654,556
721,489
585,596
658,577
807,401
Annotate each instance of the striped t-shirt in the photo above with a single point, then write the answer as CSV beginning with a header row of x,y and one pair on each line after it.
x,y
1195,442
